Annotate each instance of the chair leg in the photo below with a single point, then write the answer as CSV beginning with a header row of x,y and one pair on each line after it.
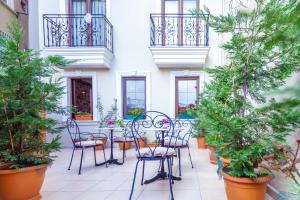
x,y
103,150
179,159
170,178
124,152
81,161
71,159
95,156
136,167
142,183
190,157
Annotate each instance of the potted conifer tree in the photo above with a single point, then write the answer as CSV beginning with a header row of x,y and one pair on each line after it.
x,y
27,91
263,51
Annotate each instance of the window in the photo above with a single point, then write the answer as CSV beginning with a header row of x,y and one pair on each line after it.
x,y
134,95
81,98
187,91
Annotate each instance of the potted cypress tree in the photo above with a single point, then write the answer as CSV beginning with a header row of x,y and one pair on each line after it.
x,y
263,51
27,92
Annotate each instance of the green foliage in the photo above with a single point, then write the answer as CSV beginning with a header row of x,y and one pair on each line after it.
x,y
135,112
26,90
263,51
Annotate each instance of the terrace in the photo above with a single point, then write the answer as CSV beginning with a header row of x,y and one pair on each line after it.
x,y
114,182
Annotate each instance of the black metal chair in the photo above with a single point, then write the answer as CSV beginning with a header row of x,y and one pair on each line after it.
x,y
184,128
83,140
126,137
163,152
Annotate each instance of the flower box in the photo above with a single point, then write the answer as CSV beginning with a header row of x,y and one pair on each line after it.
x,y
83,117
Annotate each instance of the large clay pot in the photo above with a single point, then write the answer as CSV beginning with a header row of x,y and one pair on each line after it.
x,y
212,156
22,184
127,145
245,188
225,162
141,143
104,141
201,142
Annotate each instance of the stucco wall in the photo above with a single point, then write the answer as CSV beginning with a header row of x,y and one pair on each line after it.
x,y
131,22
6,13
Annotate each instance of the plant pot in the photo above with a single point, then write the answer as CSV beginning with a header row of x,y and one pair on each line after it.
x,y
21,184
152,145
104,141
131,117
127,145
201,142
141,142
184,116
245,188
4,165
83,117
212,156
225,162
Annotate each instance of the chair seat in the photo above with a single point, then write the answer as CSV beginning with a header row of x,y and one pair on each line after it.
x,y
179,143
122,139
88,143
156,152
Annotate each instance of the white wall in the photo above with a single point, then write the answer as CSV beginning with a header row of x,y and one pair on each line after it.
x,y
131,22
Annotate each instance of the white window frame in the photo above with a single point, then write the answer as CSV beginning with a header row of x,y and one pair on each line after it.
x,y
66,100
119,87
184,73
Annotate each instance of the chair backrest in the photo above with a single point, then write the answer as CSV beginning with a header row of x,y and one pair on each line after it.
x,y
73,130
185,127
154,122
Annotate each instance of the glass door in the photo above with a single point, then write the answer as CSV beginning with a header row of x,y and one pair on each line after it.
x,y
179,28
187,91
83,33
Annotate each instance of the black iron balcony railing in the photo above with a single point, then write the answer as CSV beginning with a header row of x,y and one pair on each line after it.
x,y
178,30
74,30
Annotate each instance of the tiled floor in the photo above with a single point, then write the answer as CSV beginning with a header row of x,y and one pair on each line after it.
x,y
114,182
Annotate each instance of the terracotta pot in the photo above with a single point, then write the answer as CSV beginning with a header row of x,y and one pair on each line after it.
x,y
152,145
104,141
83,117
22,184
141,142
5,165
127,145
201,142
225,162
212,156
245,188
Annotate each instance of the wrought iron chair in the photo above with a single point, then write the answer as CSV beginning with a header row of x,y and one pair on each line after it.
x,y
163,152
185,130
126,137
83,140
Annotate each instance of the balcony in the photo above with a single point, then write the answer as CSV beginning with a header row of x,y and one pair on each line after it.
x,y
179,40
88,40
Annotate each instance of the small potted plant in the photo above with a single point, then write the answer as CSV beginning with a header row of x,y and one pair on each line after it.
x,y
27,92
83,116
134,113
184,112
127,144
142,140
153,144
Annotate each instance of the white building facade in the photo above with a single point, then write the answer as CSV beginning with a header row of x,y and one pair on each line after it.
x,y
147,54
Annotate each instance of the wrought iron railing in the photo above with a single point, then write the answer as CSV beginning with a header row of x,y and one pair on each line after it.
x,y
3,36
178,30
74,30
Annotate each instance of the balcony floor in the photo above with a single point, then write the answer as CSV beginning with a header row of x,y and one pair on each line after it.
x,y
114,182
